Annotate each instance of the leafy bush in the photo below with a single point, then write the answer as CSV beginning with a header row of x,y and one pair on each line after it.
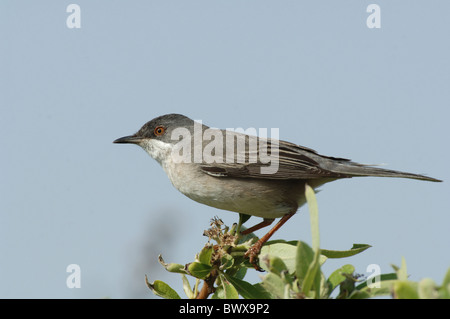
x,y
293,270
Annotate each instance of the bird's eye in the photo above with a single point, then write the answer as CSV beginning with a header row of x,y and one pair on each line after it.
x,y
159,130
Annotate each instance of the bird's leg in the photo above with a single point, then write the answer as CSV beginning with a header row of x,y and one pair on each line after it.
x,y
253,252
264,223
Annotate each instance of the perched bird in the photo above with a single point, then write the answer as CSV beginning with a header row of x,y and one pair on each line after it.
x,y
243,173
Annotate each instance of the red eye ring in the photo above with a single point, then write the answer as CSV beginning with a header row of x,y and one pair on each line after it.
x,y
159,130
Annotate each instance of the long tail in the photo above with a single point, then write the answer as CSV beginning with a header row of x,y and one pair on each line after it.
x,y
355,169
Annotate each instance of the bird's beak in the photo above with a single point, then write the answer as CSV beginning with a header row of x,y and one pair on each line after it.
x,y
132,139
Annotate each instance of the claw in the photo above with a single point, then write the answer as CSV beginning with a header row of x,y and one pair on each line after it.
x,y
252,255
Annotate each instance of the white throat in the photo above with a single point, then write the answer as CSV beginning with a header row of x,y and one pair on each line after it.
x,y
160,151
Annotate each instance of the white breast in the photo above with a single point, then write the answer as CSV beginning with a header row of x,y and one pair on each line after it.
x,y
253,197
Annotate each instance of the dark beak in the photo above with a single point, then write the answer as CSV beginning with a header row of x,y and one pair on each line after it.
x,y
132,139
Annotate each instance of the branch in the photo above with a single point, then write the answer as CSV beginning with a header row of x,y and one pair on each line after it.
x,y
208,286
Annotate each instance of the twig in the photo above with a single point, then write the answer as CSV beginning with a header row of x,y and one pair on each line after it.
x,y
208,286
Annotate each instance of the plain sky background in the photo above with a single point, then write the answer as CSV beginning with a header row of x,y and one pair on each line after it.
x,y
313,69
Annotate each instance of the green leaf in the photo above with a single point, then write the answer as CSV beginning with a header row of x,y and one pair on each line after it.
x,y
240,227
313,216
276,265
162,289
226,261
402,272
358,294
205,255
225,290
187,287
247,290
304,257
383,277
312,277
427,289
243,218
356,249
240,273
198,270
274,284
385,288
286,252
336,277
444,290
405,289
172,267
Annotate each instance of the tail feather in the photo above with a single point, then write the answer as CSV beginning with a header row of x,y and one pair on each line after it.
x,y
355,169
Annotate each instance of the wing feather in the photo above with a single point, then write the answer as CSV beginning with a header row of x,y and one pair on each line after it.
x,y
294,162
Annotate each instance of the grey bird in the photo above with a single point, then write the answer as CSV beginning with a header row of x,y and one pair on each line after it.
x,y
237,182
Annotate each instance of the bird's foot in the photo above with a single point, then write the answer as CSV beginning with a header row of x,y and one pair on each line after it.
x,y
252,255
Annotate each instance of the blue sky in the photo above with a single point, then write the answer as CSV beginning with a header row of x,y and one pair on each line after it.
x,y
312,69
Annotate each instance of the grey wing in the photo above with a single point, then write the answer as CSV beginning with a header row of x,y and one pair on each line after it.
x,y
298,162
290,162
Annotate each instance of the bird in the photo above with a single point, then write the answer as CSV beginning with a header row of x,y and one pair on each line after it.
x,y
243,173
